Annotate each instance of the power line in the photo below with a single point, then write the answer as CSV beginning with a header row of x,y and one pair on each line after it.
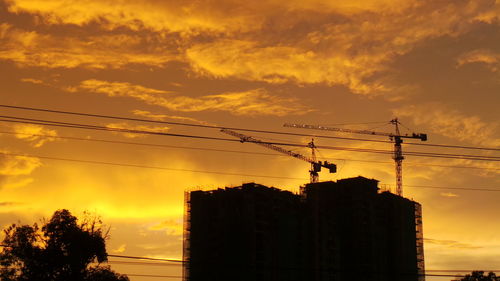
x,y
146,258
177,123
238,151
460,270
144,263
148,167
230,128
213,172
425,274
102,128
144,144
160,263
150,275
457,188
182,261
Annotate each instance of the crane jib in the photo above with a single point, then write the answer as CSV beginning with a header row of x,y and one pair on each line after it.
x,y
315,165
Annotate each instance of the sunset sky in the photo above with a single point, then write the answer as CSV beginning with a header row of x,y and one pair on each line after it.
x,y
248,64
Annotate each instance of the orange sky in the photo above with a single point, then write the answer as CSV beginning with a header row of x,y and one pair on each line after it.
x,y
433,64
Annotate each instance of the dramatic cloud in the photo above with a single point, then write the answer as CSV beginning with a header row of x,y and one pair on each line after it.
x,y
452,123
251,103
228,60
34,49
244,60
335,43
172,16
353,52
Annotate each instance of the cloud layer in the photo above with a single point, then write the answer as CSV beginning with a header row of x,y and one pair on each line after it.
x,y
29,48
452,123
251,103
333,43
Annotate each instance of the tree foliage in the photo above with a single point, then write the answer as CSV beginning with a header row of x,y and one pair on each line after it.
x,y
61,250
480,276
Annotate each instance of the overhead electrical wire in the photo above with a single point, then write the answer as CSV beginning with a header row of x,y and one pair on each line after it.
x,y
161,263
230,128
455,188
425,274
146,258
168,262
17,119
212,172
235,151
156,276
182,262
96,127
143,263
103,128
147,167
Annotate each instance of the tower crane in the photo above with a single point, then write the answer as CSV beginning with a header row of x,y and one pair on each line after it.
x,y
396,137
315,164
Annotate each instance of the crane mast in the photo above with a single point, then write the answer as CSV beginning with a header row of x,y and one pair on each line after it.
x,y
396,137
315,165
398,158
314,177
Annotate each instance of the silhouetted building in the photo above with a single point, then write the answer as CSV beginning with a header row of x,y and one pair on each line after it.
x,y
353,229
331,231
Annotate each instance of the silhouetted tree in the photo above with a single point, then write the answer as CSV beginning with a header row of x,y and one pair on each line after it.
x,y
62,250
479,276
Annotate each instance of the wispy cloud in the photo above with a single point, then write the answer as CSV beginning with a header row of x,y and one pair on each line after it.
x,y
32,81
120,249
172,227
452,123
488,57
163,117
125,126
4,204
15,169
251,103
451,244
35,134
13,182
34,49
18,165
172,16
122,89
449,194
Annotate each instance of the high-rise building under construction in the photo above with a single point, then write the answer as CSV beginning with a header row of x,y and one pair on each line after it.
x,y
331,231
